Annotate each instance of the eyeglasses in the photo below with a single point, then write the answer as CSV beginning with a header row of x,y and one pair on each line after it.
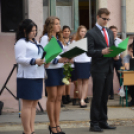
x,y
106,19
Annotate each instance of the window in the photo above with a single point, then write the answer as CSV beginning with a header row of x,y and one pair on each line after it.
x,y
11,14
63,2
45,9
64,11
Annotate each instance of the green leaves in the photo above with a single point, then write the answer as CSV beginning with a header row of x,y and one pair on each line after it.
x,y
67,71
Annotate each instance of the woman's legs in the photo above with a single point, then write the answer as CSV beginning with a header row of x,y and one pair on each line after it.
x,y
64,91
79,87
68,89
58,105
64,100
68,93
76,93
51,102
26,115
84,90
33,114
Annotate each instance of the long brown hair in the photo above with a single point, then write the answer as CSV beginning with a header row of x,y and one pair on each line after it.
x,y
48,28
78,37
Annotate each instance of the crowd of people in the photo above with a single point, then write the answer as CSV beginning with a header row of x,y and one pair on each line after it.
x,y
32,69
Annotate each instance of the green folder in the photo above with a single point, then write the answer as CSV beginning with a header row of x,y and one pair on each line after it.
x,y
52,49
72,53
117,50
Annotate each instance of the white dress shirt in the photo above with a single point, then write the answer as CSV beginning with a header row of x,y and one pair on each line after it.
x,y
25,51
117,41
100,27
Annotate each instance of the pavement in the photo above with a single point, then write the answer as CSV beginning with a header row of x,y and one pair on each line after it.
x,y
85,130
72,117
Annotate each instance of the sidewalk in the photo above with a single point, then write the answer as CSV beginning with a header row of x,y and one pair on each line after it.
x,y
85,130
73,116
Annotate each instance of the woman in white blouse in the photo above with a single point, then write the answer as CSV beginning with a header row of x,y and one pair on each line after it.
x,y
30,74
82,68
53,83
66,95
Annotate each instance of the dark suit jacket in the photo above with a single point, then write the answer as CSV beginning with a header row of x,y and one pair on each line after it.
x,y
96,43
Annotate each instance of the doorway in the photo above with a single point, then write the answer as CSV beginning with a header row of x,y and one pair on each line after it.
x,y
87,13
84,13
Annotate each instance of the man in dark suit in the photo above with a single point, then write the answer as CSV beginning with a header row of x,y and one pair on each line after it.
x,y
99,40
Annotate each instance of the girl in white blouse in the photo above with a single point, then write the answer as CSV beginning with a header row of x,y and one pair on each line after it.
x,y
53,83
30,74
66,95
82,67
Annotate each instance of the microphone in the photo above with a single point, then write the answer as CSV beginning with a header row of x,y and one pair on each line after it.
x,y
43,55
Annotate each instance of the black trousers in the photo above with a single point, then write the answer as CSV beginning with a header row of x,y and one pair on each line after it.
x,y
101,86
117,65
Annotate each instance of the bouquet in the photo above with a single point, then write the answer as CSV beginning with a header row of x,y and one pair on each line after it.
x,y
67,73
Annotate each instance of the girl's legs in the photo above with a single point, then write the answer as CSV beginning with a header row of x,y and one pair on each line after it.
x,y
33,114
51,102
26,115
58,105
84,91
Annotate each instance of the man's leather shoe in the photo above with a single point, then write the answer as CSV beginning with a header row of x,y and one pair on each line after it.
x,y
106,126
95,129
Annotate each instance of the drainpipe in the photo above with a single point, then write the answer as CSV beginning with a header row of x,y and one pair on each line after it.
x,y
123,20
25,9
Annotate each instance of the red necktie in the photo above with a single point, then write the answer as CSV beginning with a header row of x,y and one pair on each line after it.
x,y
105,35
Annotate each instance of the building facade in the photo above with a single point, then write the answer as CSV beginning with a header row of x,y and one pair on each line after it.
x,y
70,12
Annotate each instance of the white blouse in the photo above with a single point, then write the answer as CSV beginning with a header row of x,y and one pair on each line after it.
x,y
25,51
66,49
44,41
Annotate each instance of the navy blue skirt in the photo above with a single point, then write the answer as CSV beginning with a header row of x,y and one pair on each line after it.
x,y
82,70
55,77
29,89
73,75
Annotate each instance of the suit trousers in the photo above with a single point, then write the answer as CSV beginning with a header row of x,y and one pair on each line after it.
x,y
101,86
117,65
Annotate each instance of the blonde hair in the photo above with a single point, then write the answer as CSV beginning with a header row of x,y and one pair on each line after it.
x,y
78,37
48,28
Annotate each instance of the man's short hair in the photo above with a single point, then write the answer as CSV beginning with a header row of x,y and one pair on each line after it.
x,y
103,11
113,27
130,46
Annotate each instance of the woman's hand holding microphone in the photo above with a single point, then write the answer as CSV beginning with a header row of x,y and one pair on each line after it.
x,y
39,62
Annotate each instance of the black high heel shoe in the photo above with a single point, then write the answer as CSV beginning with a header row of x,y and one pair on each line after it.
x,y
61,132
50,129
31,133
82,106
